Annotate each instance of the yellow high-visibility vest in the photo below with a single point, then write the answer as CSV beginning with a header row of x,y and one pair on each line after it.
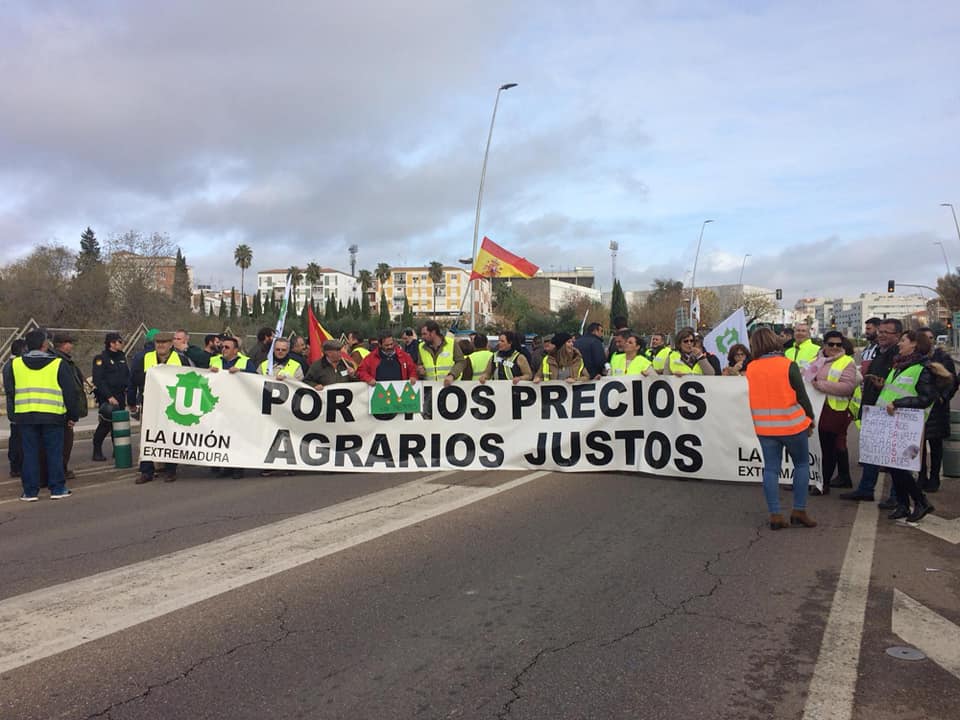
x,y
37,391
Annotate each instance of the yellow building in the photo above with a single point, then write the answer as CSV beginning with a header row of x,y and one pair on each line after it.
x,y
429,300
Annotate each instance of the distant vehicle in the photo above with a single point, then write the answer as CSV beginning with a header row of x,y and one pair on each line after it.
x,y
943,339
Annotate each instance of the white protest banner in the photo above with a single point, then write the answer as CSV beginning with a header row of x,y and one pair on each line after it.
x,y
726,334
894,441
697,427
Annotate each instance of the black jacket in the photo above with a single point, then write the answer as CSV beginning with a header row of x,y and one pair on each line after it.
x,y
945,378
594,354
111,377
36,360
881,365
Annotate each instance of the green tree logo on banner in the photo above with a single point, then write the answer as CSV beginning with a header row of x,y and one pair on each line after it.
x,y
192,399
387,400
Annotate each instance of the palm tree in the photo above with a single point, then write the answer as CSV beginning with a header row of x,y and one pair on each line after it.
x,y
365,278
312,275
242,258
435,273
296,276
382,272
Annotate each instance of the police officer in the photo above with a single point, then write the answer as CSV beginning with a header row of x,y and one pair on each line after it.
x,y
111,377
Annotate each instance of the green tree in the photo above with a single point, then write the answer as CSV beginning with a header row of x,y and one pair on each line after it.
x,y
243,305
662,303
203,304
312,275
382,273
384,311
618,303
222,312
242,258
435,273
233,303
364,305
89,257
181,282
406,317
948,287
257,305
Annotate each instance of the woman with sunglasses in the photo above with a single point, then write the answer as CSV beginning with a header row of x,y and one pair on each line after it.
x,y
686,358
834,373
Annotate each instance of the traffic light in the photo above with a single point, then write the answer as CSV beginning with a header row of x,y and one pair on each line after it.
x,y
779,294
833,323
891,286
949,324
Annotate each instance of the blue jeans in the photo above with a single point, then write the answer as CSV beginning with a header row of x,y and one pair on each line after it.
x,y
798,448
868,481
47,439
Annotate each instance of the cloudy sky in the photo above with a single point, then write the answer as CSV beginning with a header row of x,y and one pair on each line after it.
x,y
820,141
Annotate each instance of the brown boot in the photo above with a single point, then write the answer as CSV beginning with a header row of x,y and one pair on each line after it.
x,y
800,517
777,522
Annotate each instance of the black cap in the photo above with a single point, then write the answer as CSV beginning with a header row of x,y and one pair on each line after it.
x,y
112,337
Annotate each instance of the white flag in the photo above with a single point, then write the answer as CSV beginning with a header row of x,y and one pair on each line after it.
x,y
731,331
695,311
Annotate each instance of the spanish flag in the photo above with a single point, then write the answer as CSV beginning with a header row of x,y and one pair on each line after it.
x,y
317,335
494,261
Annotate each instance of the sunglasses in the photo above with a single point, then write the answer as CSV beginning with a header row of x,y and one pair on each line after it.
x,y
829,344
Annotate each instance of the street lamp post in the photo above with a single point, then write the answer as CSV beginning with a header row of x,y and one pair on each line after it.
x,y
954,213
740,283
483,175
693,277
944,251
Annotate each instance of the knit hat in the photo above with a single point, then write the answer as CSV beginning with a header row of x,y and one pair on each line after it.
x,y
559,338
150,334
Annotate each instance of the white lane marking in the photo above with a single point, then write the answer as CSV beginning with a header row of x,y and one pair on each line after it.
x,y
942,528
920,626
90,608
834,681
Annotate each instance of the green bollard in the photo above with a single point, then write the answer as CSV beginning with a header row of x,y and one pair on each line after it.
x,y
122,452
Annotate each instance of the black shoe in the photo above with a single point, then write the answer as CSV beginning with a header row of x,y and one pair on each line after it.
x,y
98,456
814,490
919,511
856,496
839,482
888,504
900,512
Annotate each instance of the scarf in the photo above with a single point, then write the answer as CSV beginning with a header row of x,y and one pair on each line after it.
x,y
901,362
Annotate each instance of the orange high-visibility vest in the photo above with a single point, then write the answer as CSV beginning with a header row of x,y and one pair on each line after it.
x,y
773,403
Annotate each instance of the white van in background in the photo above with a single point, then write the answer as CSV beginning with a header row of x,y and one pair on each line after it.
x,y
943,339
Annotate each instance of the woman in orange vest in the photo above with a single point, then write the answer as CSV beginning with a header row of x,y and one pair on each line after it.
x,y
783,418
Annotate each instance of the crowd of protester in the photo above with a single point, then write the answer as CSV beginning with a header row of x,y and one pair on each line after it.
x,y
46,392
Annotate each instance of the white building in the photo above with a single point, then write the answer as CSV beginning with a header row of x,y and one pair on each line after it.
x,y
331,283
849,314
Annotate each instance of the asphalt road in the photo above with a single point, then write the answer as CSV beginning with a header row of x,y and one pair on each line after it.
x,y
563,596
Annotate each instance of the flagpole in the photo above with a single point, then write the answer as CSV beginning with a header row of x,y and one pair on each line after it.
x,y
693,278
483,175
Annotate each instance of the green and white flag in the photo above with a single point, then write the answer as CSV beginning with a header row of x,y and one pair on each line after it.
x,y
278,332
728,333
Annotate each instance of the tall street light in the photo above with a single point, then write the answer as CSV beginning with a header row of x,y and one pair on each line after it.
x,y
740,283
693,278
483,175
943,250
954,213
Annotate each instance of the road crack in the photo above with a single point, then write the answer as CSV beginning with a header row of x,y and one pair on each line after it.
x,y
284,633
518,678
